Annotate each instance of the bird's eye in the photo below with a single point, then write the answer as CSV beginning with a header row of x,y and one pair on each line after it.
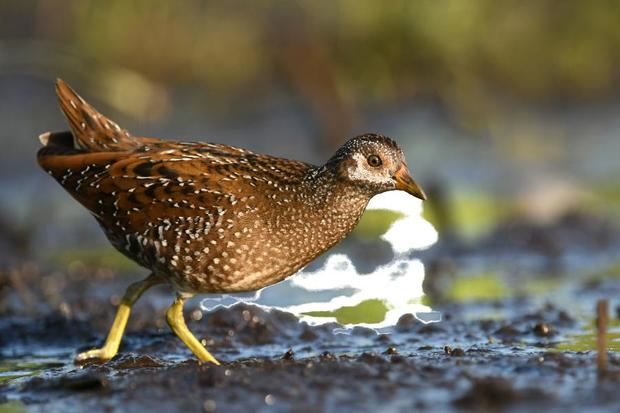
x,y
374,161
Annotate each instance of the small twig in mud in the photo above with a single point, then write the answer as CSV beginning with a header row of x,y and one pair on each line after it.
x,y
602,312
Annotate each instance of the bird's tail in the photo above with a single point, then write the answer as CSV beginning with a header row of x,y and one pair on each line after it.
x,y
90,130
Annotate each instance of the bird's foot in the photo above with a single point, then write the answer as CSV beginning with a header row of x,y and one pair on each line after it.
x,y
97,354
204,356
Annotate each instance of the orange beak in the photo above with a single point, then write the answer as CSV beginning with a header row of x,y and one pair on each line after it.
x,y
404,182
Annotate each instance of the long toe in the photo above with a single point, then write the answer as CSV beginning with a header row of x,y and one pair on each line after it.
x,y
94,355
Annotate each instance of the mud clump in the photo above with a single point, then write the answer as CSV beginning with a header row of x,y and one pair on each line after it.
x,y
542,329
78,381
454,352
496,392
253,325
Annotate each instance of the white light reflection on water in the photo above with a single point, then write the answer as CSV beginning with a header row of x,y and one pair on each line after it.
x,y
320,296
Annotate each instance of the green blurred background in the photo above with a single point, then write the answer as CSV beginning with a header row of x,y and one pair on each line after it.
x,y
504,108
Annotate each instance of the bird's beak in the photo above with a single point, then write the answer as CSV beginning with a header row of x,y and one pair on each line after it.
x,y
404,182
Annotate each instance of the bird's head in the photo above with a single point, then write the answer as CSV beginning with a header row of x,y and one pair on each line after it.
x,y
375,163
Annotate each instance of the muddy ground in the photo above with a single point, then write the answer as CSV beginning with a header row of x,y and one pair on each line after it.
x,y
509,349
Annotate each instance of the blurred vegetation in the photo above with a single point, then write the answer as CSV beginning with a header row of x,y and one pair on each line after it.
x,y
483,287
102,257
471,214
368,311
338,61
587,339
493,284
12,407
338,57
376,222
10,370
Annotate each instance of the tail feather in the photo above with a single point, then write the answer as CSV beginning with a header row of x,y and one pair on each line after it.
x,y
91,130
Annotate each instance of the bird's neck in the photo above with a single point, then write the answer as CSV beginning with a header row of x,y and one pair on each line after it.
x,y
340,202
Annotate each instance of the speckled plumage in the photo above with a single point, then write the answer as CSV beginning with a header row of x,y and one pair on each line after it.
x,y
211,218
208,217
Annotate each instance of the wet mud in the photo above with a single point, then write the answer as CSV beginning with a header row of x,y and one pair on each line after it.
x,y
511,349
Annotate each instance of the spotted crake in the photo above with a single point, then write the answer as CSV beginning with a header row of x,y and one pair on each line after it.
x,y
211,218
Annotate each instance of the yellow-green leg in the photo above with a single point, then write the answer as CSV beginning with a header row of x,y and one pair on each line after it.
x,y
174,315
110,348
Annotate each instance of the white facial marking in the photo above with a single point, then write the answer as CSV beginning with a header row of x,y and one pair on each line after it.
x,y
364,172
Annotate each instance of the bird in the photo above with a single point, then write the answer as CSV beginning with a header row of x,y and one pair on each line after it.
x,y
208,217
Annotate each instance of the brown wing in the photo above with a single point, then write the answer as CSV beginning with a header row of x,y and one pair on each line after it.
x,y
189,180
146,200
